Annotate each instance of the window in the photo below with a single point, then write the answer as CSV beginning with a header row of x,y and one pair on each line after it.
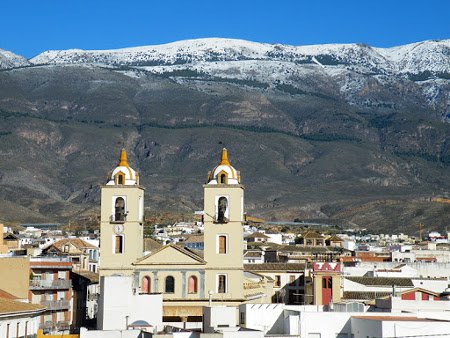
x,y
118,248
222,206
222,244
146,285
119,212
277,281
120,179
170,284
222,284
192,284
292,279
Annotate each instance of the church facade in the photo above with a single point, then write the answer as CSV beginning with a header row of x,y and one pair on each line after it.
x,y
187,279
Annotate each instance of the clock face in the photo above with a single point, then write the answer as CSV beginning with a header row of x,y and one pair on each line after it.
x,y
118,228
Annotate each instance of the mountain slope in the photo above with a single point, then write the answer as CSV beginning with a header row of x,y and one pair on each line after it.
x,y
346,133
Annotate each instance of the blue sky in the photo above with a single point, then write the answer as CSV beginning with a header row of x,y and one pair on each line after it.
x,y
29,27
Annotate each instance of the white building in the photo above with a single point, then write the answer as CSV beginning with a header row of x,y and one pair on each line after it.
x,y
119,307
19,319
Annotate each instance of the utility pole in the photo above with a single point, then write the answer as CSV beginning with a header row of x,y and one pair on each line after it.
x,y
420,232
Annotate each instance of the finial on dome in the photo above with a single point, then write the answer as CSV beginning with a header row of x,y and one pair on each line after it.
x,y
224,158
123,158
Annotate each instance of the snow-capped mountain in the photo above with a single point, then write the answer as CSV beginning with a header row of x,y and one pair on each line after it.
x,y
11,60
345,68
432,56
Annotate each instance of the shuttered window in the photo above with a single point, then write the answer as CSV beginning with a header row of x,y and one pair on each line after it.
x,y
222,244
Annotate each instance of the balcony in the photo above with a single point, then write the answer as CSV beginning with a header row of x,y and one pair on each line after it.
x,y
56,304
50,326
60,284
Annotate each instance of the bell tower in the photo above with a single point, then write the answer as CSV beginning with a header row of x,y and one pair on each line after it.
x,y
122,219
223,216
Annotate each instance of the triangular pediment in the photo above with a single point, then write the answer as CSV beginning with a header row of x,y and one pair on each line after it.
x,y
170,255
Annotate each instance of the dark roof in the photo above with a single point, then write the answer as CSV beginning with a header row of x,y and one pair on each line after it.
x,y
93,277
381,281
364,295
275,267
10,235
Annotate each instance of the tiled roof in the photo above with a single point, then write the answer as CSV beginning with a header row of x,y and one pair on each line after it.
x,y
335,238
9,306
194,239
274,267
312,234
382,281
76,242
364,295
151,245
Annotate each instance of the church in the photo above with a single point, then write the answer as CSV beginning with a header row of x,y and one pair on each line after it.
x,y
187,279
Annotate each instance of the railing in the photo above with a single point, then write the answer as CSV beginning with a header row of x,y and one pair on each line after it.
x,y
50,284
56,304
49,326
118,218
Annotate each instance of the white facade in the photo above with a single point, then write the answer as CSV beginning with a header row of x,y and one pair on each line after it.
x,y
17,324
119,306
311,321
398,327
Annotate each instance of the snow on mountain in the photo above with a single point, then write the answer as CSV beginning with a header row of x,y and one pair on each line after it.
x,y
11,60
432,56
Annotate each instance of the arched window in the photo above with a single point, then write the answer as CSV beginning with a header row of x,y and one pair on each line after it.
x,y
146,285
119,215
170,284
222,244
192,284
222,206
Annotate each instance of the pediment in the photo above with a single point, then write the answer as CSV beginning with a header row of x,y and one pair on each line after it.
x,y
171,255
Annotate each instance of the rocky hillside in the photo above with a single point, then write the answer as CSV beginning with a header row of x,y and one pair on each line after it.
x,y
335,132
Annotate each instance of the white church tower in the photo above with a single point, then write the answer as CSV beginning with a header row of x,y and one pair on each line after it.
x,y
122,219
